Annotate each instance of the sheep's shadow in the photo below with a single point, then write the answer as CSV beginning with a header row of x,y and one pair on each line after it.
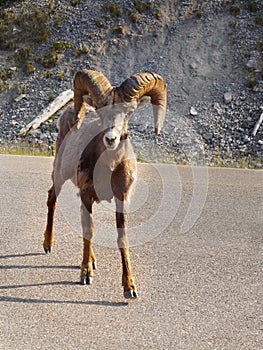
x,y
57,283
51,301
17,286
20,255
21,267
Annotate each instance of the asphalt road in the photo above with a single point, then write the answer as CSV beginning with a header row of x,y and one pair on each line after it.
x,y
196,237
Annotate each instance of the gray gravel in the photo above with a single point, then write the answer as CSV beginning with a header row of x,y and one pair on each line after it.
x,y
205,55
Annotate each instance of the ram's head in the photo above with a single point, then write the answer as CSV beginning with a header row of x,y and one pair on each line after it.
x,y
115,104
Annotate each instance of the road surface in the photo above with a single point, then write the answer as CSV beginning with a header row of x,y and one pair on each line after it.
x,y
196,237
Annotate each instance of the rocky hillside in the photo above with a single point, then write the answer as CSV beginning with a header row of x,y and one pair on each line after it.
x,y
208,52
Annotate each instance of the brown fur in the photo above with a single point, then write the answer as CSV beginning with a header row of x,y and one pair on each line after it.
x,y
98,157
113,169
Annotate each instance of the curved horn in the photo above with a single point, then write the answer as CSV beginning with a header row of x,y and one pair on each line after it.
x,y
149,84
93,83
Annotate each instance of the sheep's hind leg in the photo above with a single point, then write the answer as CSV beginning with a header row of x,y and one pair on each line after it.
x,y
88,264
49,232
130,291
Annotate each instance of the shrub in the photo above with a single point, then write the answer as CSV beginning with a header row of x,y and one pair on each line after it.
x,y
29,25
235,10
134,16
254,5
113,9
142,6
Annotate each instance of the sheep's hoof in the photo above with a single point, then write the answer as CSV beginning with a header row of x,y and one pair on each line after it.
x,y
94,265
86,280
130,294
47,249
89,280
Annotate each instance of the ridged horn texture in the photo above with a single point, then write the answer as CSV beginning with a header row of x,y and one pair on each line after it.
x,y
147,84
93,83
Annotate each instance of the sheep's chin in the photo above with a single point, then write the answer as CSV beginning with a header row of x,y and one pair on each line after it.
x,y
113,147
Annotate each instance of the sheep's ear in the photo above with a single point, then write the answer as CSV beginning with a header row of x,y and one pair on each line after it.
x,y
143,101
88,100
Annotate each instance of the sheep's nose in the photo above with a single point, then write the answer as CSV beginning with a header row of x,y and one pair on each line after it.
x,y
110,141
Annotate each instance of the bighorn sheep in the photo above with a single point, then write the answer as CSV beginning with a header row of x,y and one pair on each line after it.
x,y
96,154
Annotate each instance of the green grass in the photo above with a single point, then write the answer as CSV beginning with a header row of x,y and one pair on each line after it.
x,y
214,160
23,147
26,149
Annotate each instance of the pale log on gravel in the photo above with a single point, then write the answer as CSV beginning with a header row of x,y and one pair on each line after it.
x,y
53,107
258,123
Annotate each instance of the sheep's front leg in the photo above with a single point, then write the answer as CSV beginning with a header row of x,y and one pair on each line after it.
x,y
129,287
49,232
89,260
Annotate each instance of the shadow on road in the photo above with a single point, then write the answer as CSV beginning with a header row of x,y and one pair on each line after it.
x,y
64,283
57,283
20,255
74,302
20,267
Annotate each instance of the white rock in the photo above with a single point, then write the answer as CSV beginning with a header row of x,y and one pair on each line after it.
x,y
246,138
208,135
54,135
43,136
193,65
227,97
252,64
193,111
20,97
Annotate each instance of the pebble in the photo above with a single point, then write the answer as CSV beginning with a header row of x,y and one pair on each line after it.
x,y
54,135
193,65
20,97
246,138
227,97
208,136
218,108
252,64
193,111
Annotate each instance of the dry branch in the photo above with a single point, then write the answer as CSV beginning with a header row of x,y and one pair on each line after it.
x,y
258,123
53,107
